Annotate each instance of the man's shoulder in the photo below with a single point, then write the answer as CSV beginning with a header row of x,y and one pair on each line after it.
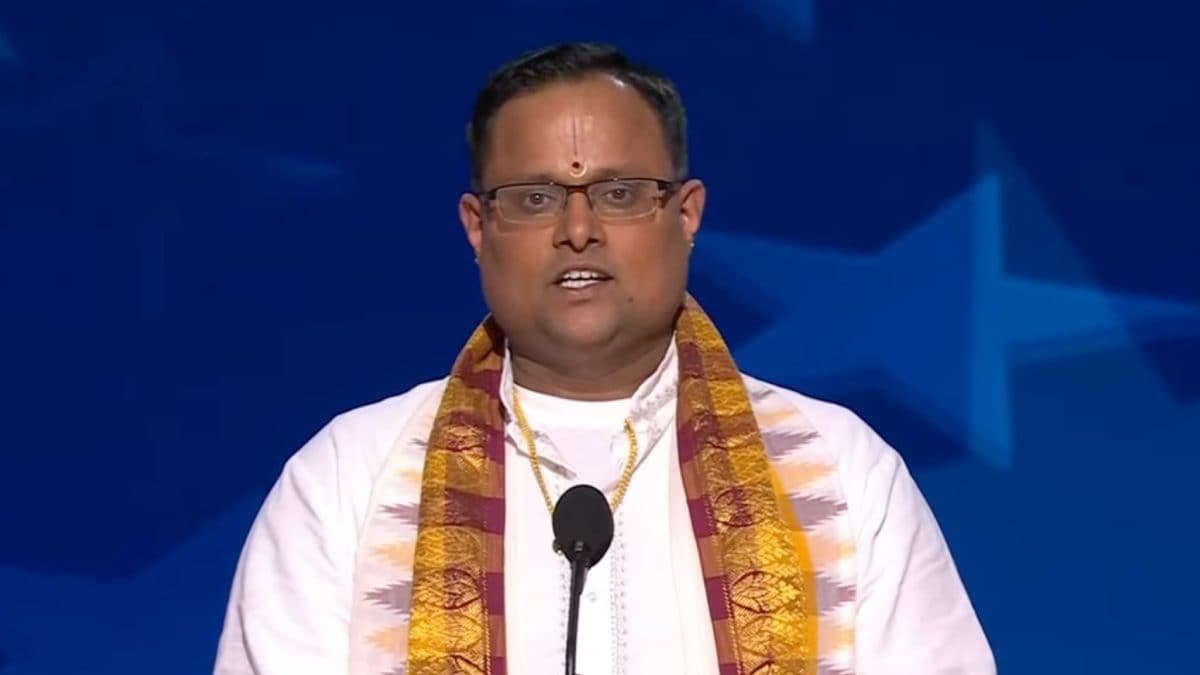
x,y
836,431
389,415
354,444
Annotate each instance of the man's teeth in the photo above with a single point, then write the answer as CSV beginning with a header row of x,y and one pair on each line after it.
x,y
580,279
578,283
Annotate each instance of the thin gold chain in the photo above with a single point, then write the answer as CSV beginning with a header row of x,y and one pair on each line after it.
x,y
626,474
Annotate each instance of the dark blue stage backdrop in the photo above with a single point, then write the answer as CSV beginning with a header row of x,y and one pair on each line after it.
x,y
976,223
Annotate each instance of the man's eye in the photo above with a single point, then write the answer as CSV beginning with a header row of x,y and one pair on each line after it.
x,y
619,194
537,200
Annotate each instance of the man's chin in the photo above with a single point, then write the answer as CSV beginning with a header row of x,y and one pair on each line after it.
x,y
581,335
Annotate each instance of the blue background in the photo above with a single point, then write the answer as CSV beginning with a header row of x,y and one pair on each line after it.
x,y
975,223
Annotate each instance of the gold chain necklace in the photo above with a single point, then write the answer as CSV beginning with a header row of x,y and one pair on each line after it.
x,y
626,474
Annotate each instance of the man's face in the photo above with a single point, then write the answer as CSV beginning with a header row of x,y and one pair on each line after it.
x,y
575,133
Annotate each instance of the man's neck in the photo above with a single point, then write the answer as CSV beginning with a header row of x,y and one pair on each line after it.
x,y
590,379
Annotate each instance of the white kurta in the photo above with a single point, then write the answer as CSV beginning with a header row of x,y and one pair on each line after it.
x,y
644,608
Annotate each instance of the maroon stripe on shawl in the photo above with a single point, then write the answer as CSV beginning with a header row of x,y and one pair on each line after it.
x,y
486,379
473,510
462,508
691,364
492,424
714,588
497,650
729,669
702,430
493,448
703,525
493,583
686,440
494,523
493,518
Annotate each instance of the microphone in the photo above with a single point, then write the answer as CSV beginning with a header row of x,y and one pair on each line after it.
x,y
583,531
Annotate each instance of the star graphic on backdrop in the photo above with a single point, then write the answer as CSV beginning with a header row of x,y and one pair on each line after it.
x,y
934,316
1105,447
162,620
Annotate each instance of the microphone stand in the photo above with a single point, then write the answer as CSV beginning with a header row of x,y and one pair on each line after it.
x,y
579,568
583,531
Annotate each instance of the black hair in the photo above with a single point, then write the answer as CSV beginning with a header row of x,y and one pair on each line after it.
x,y
570,62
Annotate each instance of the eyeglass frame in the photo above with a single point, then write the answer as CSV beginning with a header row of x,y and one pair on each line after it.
x,y
666,188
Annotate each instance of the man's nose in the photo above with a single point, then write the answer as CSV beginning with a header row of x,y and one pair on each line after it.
x,y
580,226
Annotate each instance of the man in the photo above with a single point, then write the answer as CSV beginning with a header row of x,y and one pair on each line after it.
x,y
757,530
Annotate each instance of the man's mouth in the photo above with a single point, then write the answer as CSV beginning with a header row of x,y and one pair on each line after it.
x,y
576,279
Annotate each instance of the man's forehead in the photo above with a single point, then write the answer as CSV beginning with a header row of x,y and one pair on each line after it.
x,y
599,100
603,125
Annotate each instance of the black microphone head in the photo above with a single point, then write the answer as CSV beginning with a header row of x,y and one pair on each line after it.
x,y
583,524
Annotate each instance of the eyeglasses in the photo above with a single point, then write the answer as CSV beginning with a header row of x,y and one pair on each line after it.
x,y
611,199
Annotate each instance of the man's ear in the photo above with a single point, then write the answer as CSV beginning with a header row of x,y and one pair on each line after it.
x,y
691,206
470,212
